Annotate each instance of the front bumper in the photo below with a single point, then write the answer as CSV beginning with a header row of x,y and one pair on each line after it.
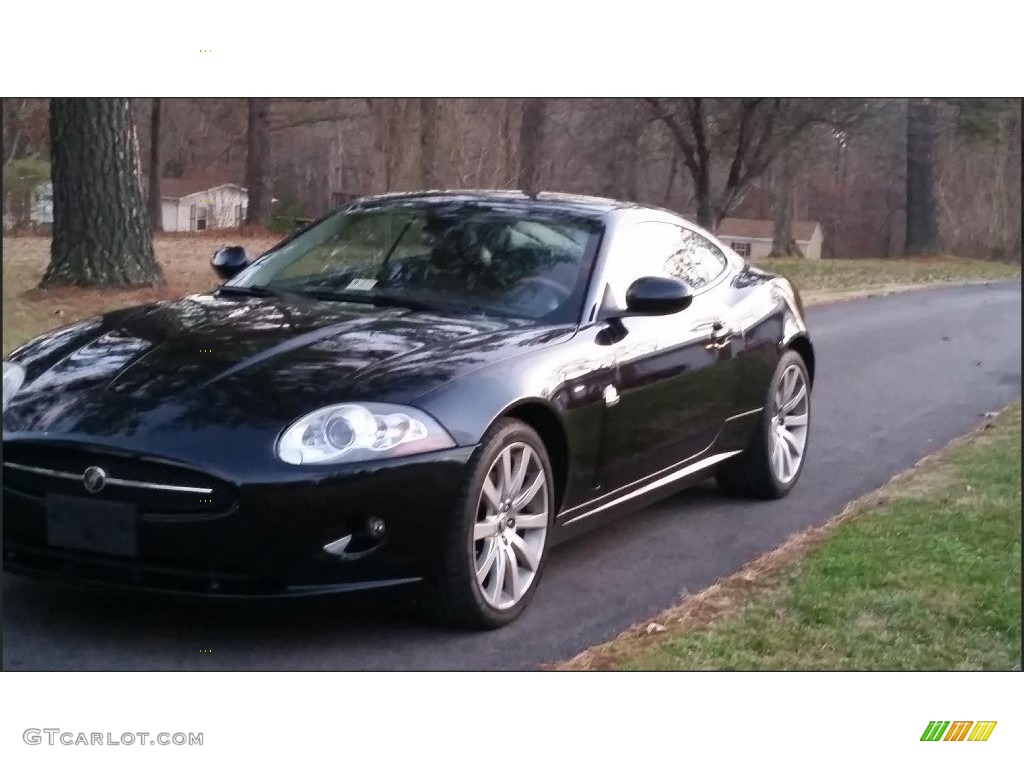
x,y
259,538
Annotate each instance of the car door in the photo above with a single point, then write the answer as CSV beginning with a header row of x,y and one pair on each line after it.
x,y
673,387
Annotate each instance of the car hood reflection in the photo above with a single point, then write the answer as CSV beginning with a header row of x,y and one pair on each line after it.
x,y
211,360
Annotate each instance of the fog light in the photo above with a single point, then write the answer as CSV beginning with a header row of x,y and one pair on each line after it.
x,y
375,527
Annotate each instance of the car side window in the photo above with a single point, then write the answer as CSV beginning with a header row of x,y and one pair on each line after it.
x,y
697,262
661,249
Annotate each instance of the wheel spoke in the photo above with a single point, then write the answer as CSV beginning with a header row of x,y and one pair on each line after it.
x,y
526,522
795,400
519,476
525,552
786,460
506,473
526,496
777,450
512,572
784,386
486,527
790,440
498,577
799,420
491,494
485,562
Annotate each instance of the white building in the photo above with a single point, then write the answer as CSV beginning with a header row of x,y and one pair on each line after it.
x,y
34,212
187,205
190,205
752,238
41,212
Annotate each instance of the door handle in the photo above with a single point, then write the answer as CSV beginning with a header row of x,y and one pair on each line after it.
x,y
611,395
721,335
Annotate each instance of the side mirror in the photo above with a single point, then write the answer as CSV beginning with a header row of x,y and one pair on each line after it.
x,y
657,296
229,261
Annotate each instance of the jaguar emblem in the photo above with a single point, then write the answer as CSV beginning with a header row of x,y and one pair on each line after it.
x,y
94,479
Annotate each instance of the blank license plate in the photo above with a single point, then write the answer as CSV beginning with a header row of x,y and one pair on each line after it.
x,y
91,525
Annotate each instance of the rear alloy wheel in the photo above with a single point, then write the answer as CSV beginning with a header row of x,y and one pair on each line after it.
x,y
771,465
494,555
789,423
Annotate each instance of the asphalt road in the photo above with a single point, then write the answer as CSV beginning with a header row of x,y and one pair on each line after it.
x,y
897,378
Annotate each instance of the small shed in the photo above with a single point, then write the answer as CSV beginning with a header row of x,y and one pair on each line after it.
x,y
193,205
752,238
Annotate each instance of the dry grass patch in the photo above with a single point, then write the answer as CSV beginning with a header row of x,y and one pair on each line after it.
x,y
29,310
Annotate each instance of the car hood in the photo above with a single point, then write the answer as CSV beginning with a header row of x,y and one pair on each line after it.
x,y
206,361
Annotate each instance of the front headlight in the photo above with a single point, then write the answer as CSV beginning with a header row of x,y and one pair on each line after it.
x,y
14,377
359,432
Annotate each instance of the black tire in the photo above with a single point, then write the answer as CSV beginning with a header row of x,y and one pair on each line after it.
x,y
750,474
454,595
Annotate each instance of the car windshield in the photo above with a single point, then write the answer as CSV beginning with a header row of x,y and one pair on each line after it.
x,y
507,261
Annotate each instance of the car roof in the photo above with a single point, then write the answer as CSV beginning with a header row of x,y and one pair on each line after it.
x,y
585,205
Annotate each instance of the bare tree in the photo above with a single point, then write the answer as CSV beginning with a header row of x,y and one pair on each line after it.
x,y
509,158
154,204
257,164
531,140
922,203
428,143
977,176
783,243
324,151
101,234
743,137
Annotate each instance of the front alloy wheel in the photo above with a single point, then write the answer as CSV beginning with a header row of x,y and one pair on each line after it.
x,y
512,525
493,548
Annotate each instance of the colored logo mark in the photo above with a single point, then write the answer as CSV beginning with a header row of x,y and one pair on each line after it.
x,y
958,730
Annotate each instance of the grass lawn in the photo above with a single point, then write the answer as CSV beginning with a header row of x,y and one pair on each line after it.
x,y
924,574
185,260
858,274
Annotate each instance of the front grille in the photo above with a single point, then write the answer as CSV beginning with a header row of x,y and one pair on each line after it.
x,y
156,487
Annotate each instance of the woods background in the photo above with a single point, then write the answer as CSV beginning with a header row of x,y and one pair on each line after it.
x,y
846,166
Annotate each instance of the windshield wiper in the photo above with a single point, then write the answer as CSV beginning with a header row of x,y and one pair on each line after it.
x,y
377,299
422,305
246,290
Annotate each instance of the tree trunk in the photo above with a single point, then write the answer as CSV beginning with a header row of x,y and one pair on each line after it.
x,y
629,160
782,206
673,169
509,171
428,143
156,216
706,216
101,234
257,163
922,204
531,140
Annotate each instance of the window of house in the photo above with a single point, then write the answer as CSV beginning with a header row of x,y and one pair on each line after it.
x,y
662,249
201,217
743,249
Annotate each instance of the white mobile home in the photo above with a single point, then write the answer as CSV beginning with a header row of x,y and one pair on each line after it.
x,y
189,205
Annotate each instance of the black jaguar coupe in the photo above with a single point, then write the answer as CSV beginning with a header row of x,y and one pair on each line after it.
x,y
427,389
